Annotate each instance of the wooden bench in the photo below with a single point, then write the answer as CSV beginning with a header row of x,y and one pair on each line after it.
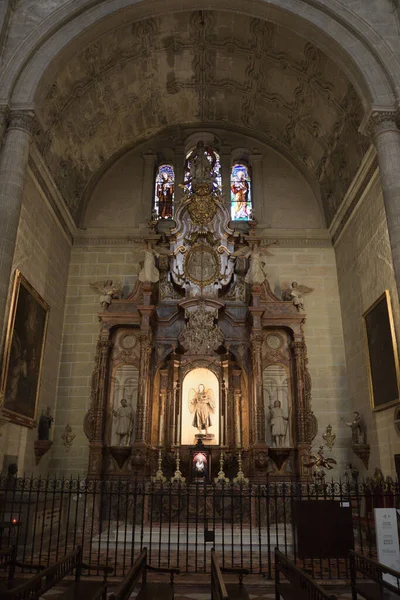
x,y
39,584
148,590
226,591
8,565
377,588
299,585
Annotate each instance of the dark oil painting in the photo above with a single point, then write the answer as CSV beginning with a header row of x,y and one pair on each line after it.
x,y
382,353
24,353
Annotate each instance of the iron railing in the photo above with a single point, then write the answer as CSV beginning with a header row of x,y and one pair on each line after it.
x,y
178,523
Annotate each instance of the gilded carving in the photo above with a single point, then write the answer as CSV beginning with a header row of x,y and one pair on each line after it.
x,y
202,265
200,334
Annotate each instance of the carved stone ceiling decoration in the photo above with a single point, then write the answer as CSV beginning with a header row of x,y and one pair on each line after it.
x,y
199,68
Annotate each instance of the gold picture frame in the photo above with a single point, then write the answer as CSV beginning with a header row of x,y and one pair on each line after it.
x,y
23,353
382,354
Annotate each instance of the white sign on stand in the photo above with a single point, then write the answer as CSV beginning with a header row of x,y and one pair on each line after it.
x,y
387,540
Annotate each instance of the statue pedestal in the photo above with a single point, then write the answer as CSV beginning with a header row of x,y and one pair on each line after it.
x,y
41,447
279,456
120,454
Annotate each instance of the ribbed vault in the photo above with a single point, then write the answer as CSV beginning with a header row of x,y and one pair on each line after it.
x,y
200,68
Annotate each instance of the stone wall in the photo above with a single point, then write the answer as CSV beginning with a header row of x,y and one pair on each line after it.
x,y
42,254
365,270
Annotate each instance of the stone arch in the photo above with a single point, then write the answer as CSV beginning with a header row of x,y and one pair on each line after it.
x,y
358,50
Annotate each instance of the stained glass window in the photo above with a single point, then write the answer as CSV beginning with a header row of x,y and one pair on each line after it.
x,y
202,162
241,209
164,192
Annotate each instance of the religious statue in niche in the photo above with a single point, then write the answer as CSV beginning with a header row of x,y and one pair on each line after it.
x,y
279,424
257,256
124,418
357,429
164,192
45,422
295,293
108,291
202,405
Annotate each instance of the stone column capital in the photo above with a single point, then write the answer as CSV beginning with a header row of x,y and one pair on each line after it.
x,y
382,121
22,119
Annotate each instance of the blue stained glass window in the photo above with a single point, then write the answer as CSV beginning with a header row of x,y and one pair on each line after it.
x,y
164,192
241,208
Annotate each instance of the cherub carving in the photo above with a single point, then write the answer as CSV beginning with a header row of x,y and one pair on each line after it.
x,y
257,254
295,293
108,291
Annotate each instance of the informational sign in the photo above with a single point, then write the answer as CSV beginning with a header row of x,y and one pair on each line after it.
x,y
387,540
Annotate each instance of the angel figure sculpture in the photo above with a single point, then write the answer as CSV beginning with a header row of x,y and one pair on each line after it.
x,y
257,256
295,293
108,291
149,272
202,405
319,462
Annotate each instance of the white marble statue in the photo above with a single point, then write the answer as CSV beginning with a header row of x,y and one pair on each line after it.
x,y
279,424
149,272
108,291
124,418
257,257
295,293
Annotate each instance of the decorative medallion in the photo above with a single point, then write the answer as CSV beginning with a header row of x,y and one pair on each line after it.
x,y
202,265
128,341
274,341
202,207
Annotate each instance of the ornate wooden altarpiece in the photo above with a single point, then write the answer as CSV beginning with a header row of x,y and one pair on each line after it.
x,y
205,312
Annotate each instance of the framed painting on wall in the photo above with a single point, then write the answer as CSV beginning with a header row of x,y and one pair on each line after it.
x,y
383,360
23,353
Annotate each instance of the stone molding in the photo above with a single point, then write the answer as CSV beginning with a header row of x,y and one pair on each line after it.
x,y
286,239
49,190
360,184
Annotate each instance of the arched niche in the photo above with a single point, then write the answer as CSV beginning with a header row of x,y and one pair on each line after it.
x,y
124,384
277,406
193,380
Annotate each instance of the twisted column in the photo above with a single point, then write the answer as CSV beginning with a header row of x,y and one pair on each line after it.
x,y
13,169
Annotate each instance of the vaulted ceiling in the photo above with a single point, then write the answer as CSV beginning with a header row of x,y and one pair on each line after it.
x,y
200,68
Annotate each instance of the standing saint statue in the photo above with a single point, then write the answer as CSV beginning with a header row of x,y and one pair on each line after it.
x,y
202,404
357,429
124,417
45,422
279,424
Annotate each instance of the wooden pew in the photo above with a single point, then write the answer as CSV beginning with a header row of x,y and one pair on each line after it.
x,y
148,590
377,588
37,585
8,565
228,591
299,585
